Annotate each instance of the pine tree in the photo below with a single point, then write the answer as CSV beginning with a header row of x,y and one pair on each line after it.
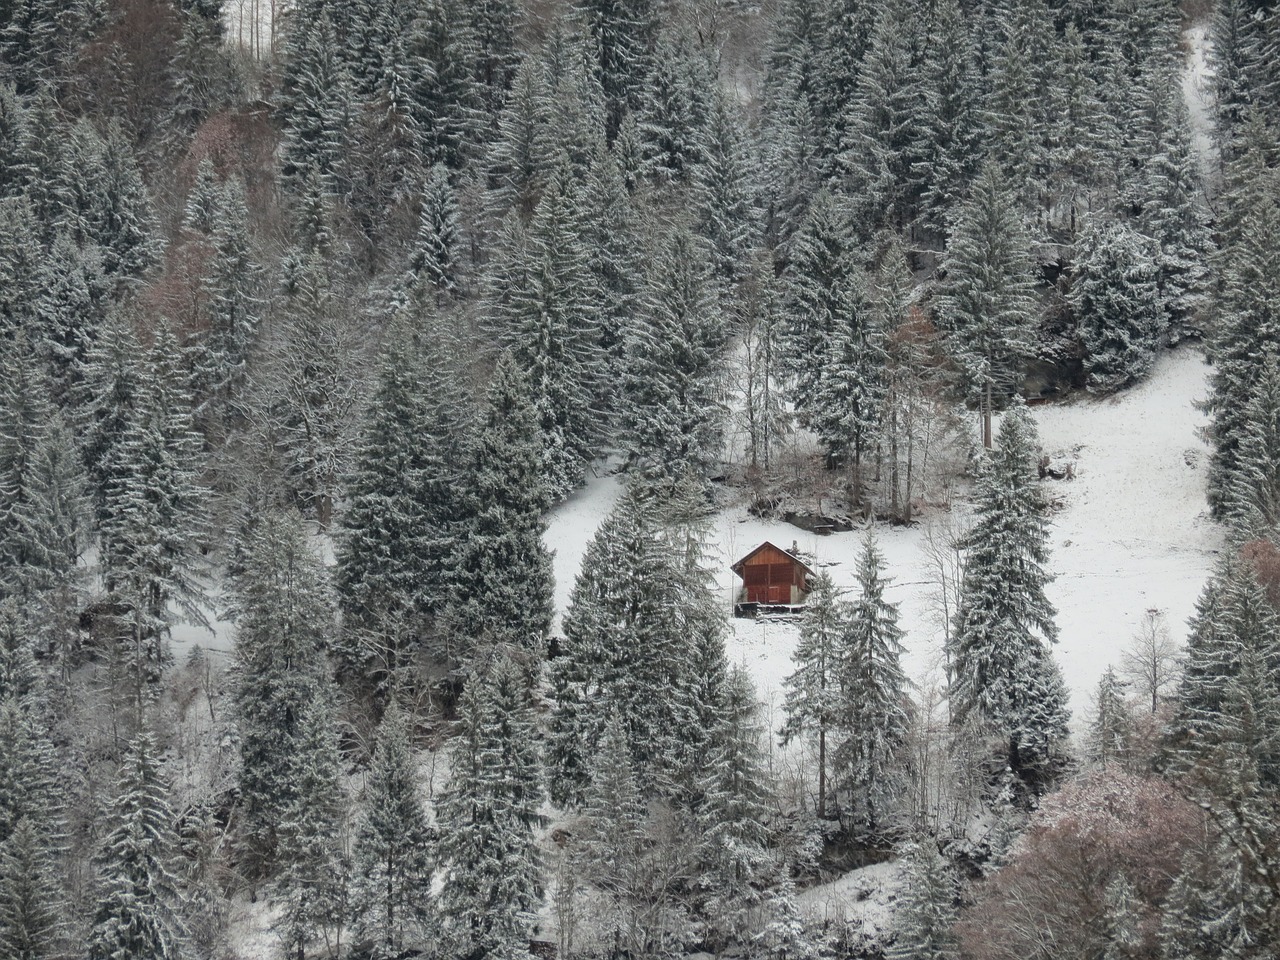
x,y
1002,672
495,25
760,324
284,615
722,182
518,166
501,580
872,712
400,527
492,889
987,306
813,690
1117,302
820,277
69,312
314,100
926,915
138,911
848,398
32,906
393,846
1253,499
445,95
673,113
550,321
1111,727
625,32
153,508
433,261
311,886
202,202
574,106
671,417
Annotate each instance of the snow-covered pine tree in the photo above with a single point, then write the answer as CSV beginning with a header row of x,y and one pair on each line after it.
x,y
548,316
445,94
69,311
432,274
516,165
1111,726
672,417
138,913
153,508
501,581
32,903
1002,674
404,504
625,32
848,397
760,325
1117,301
987,305
724,188
1253,498
820,277
393,854
574,104
813,690
925,916
314,101
673,112
202,201
495,26
873,702
311,886
284,618
488,857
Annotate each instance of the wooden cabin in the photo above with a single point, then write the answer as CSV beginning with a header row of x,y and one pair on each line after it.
x,y
772,579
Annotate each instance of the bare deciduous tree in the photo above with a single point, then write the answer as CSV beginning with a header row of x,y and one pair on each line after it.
x,y
1151,661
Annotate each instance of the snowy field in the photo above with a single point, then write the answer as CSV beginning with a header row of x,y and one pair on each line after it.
x,y
1130,533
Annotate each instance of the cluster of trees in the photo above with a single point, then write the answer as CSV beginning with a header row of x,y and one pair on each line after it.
x,y
403,278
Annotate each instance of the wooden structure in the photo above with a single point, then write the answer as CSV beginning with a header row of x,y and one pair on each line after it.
x,y
773,580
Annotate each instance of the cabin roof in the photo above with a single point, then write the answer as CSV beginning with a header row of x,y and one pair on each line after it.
x,y
737,567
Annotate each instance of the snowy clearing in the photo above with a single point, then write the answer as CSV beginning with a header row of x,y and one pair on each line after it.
x,y
1131,533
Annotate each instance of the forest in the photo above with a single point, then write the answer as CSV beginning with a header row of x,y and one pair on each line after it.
x,y
313,314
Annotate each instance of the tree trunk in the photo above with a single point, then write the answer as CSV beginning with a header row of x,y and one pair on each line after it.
x,y
822,774
986,417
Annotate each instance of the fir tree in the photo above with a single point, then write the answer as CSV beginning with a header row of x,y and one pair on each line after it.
x,y
403,502
445,96
502,581
726,213
1002,672
1111,726
433,261
813,690
987,306
625,34
283,613
872,712
489,859
925,917
393,854
314,100
32,906
1253,499
673,113
138,911
671,416
1117,301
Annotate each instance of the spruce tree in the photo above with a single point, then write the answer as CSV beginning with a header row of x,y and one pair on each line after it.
x,y
625,34
32,918
926,915
873,706
724,190
433,261
813,697
445,94
987,307
501,570
138,909
489,860
284,618
393,855
1002,674
1118,305
671,416
1111,726
1253,498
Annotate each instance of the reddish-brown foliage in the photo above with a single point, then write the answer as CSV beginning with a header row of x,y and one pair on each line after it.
x,y
1264,557
1048,903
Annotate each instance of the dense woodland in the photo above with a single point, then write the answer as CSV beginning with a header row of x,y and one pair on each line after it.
x,y
305,325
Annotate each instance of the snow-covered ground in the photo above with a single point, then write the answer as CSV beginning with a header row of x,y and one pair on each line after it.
x,y
1130,533
1199,99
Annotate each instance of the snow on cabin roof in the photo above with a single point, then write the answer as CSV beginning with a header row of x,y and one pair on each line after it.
x,y
737,567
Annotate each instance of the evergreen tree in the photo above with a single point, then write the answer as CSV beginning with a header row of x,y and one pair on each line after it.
x,y
927,913
284,619
872,712
393,846
1111,727
673,113
625,32
813,696
1117,301
1002,672
32,918
820,278
433,261
726,213
400,527
445,96
502,583
495,25
138,911
314,100
311,886
1253,500
987,306
672,420
518,166
69,311
550,321
492,889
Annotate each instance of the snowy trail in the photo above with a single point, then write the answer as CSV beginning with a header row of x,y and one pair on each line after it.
x,y
1132,533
